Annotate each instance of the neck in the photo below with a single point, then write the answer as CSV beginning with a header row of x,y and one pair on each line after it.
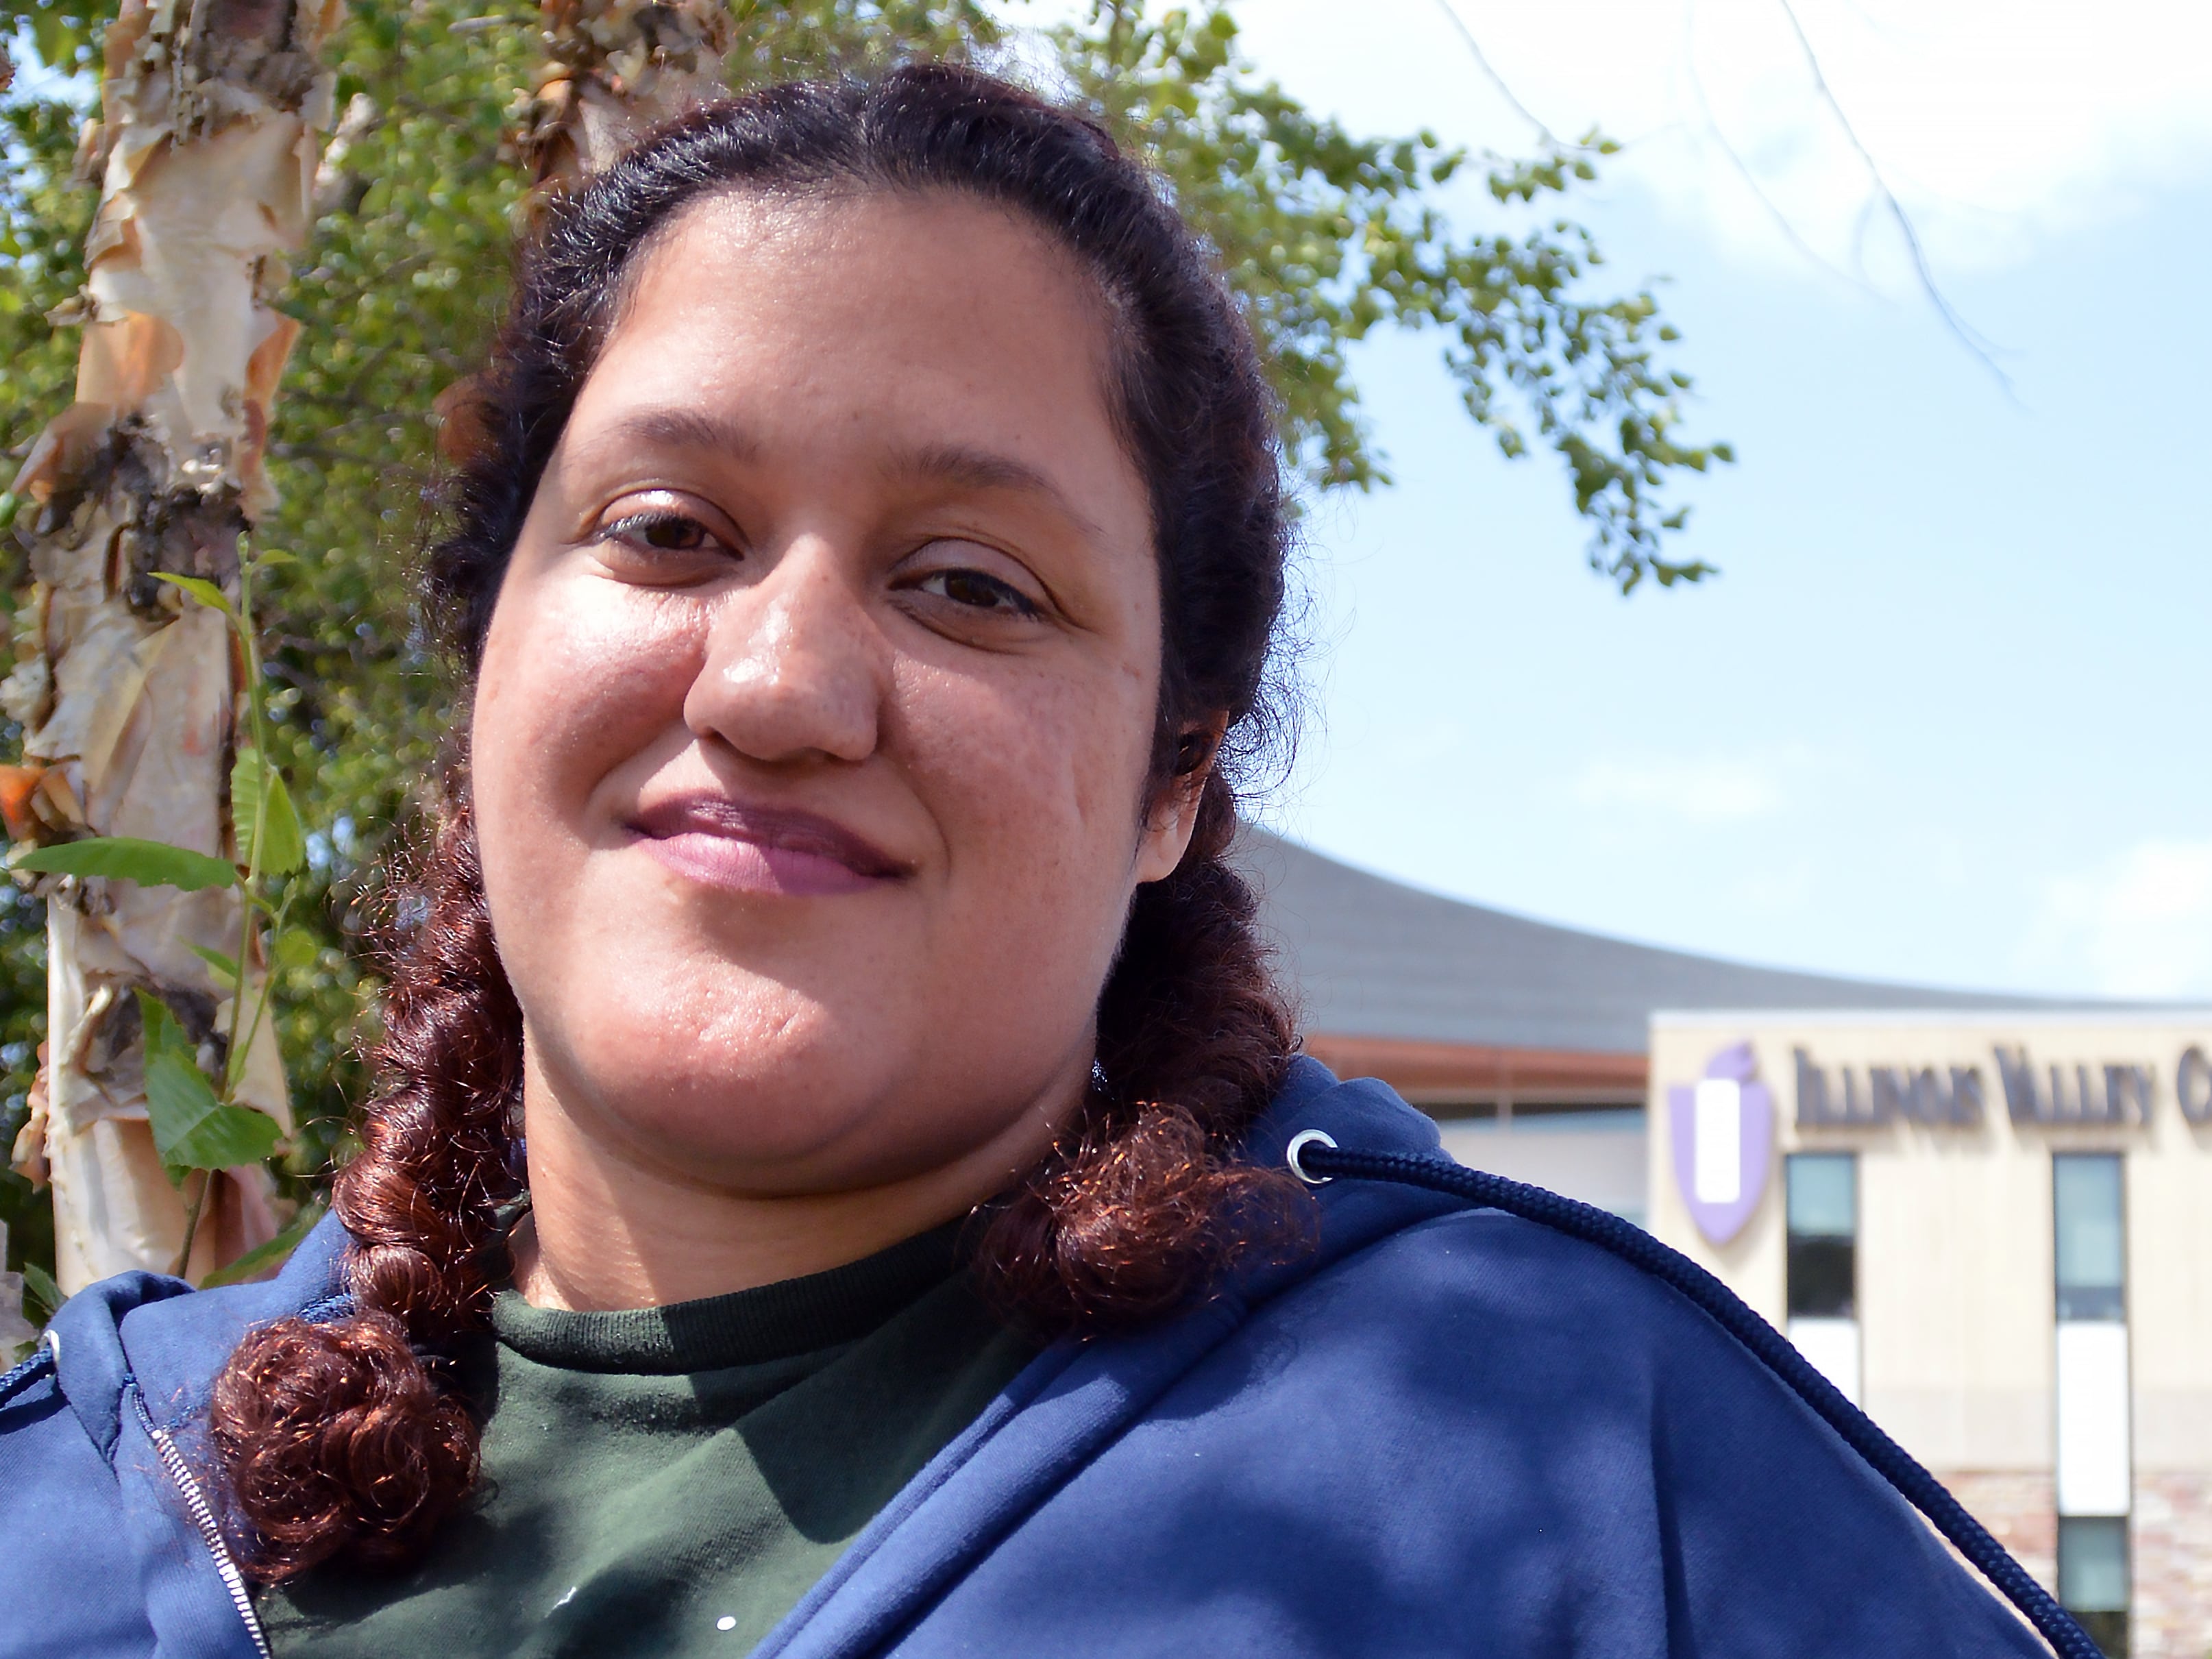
x,y
609,1230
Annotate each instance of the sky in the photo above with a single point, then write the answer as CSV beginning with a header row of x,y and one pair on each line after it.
x,y
1942,718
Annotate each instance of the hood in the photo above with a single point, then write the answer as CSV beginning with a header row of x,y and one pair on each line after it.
x,y
173,1340
136,1356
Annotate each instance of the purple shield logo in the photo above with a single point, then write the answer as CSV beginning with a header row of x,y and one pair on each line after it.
x,y
1721,1129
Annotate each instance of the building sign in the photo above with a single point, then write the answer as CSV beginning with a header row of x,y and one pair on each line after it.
x,y
2074,1094
1723,1131
1922,1094
2112,1094
2193,1081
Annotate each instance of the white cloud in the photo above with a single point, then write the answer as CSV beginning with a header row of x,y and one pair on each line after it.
x,y
2002,123
2138,925
1697,789
1998,125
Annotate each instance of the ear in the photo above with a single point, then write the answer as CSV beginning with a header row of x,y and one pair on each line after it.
x,y
1173,818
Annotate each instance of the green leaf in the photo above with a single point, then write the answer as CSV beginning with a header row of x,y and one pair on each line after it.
x,y
126,858
40,1284
296,948
225,966
49,30
178,1097
192,1127
226,1136
201,589
275,1253
270,556
283,847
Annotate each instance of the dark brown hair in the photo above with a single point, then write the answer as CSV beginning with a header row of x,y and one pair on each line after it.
x,y
340,1436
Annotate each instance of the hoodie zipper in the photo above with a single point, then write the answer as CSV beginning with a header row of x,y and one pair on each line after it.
x,y
202,1514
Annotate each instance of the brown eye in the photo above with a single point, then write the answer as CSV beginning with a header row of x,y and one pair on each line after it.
x,y
977,591
664,532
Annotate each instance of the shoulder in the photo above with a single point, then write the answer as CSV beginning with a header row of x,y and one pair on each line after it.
x,y
1417,1270
1499,1373
78,1496
142,1335
1486,1291
63,1513
64,1510
1510,1309
1480,1434
1565,1341
1572,1432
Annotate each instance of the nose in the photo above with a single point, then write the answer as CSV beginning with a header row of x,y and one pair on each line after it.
x,y
793,669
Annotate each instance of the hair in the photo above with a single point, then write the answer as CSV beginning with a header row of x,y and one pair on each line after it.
x,y
344,1436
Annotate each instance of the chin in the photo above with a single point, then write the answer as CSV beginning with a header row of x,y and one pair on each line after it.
x,y
809,1075
751,1087
786,1138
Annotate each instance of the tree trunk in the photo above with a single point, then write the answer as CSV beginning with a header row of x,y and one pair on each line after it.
x,y
206,153
615,69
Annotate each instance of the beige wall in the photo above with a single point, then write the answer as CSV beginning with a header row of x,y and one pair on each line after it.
x,y
1955,1287
1599,1159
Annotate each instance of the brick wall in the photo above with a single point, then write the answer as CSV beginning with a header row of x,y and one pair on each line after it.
x,y
2021,1511
2172,1566
2171,1540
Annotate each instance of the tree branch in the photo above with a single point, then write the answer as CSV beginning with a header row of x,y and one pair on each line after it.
x,y
1887,198
1497,80
1742,168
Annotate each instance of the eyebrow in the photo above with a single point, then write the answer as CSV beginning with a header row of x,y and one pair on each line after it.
x,y
684,429
959,464
982,469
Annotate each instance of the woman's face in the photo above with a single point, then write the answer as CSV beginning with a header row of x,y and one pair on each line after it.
x,y
810,740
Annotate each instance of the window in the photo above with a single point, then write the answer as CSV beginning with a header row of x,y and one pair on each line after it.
x,y
2091,1254
2095,1464
1823,1288
2092,1577
1824,1231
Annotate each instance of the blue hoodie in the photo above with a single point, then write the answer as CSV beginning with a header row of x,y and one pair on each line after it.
x,y
1449,1432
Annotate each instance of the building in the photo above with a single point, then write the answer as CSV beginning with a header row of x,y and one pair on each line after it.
x,y
1993,1231
1987,1219
1527,1042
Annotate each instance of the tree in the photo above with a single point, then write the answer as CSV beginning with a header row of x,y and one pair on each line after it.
x,y
450,112
612,72
1326,236
134,501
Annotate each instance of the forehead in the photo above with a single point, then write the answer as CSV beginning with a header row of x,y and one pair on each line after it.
x,y
923,309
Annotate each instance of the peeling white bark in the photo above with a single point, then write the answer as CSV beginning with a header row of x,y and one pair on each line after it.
x,y
211,113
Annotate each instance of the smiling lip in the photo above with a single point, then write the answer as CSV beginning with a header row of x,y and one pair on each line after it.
x,y
761,849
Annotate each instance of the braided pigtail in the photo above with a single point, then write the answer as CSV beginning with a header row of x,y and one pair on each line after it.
x,y
339,1436
1145,1204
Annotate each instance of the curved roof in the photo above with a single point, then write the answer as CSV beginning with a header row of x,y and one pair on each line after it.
x,y
1374,957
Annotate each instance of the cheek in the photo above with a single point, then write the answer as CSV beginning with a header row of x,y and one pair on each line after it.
x,y
573,686
574,681
1034,779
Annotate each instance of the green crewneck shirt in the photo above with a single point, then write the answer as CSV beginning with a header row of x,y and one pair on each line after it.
x,y
672,1480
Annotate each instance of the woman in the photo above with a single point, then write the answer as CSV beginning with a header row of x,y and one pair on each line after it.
x,y
828,1194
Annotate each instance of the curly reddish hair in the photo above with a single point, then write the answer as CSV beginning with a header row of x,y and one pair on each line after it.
x,y
346,1437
